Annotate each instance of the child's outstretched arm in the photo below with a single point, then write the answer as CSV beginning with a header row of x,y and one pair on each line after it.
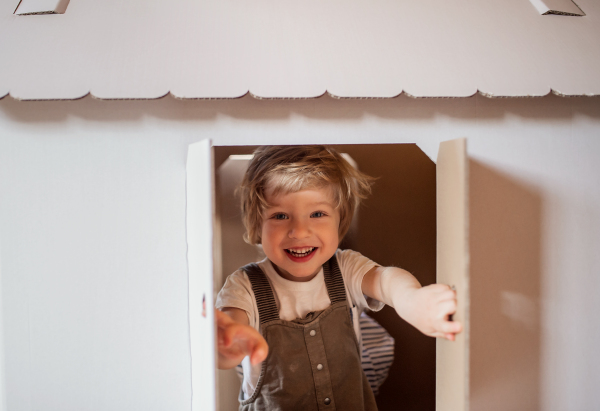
x,y
426,308
236,339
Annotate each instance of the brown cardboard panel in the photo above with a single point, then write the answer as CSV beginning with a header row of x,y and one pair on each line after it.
x,y
144,49
452,366
559,7
42,7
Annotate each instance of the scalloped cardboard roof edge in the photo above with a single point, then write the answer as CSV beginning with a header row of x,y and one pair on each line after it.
x,y
225,49
249,93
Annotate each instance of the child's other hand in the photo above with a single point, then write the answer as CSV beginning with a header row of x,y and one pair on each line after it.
x,y
235,340
432,307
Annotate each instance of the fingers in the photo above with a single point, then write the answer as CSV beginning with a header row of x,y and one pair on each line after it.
x,y
435,305
259,351
442,289
223,319
448,331
251,343
441,294
237,340
447,305
450,327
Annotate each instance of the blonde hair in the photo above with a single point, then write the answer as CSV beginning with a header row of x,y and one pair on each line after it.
x,y
289,169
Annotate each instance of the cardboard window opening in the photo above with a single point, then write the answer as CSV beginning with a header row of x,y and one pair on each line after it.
x,y
30,7
452,267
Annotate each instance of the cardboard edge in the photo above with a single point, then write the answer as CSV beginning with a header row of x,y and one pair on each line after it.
x,y
17,8
562,13
467,303
257,97
452,268
567,95
78,97
540,6
156,97
333,96
418,97
176,97
37,13
60,8
492,95
582,13
544,10
338,97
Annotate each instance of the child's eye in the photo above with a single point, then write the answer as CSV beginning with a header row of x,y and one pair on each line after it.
x,y
317,214
279,216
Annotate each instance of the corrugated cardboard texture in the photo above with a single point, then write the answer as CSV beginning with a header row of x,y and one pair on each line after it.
x,y
452,366
145,49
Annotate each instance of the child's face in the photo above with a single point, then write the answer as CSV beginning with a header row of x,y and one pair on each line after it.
x,y
300,232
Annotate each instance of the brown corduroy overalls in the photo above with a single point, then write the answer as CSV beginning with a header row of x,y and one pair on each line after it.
x,y
313,363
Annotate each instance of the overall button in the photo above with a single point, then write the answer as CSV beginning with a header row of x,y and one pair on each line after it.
x,y
327,401
313,333
320,367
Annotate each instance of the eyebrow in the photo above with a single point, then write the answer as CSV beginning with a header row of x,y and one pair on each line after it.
x,y
327,203
323,202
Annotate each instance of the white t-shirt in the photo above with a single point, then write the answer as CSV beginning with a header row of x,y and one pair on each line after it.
x,y
296,299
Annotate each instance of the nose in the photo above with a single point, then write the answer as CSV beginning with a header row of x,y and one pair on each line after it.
x,y
299,229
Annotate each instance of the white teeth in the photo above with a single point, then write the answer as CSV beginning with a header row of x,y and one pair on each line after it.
x,y
300,252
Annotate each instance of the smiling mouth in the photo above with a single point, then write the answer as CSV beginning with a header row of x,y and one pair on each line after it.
x,y
300,252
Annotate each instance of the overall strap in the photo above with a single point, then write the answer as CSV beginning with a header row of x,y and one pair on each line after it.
x,y
265,301
334,281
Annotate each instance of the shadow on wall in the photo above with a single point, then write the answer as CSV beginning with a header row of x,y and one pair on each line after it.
x,y
505,235
322,108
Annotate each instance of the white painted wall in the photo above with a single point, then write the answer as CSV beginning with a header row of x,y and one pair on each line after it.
x,y
92,231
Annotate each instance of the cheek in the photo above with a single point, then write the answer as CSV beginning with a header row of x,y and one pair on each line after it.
x,y
264,235
337,229
333,231
335,238
269,233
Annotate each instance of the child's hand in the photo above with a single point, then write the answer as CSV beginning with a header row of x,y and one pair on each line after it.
x,y
236,340
431,308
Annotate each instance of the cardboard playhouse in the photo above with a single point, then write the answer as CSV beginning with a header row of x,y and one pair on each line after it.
x,y
112,240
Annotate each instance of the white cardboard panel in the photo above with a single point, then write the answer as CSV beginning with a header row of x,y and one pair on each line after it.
x,y
567,7
146,49
452,362
42,7
200,265
2,365
548,144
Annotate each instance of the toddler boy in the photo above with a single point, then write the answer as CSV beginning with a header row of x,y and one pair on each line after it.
x,y
292,319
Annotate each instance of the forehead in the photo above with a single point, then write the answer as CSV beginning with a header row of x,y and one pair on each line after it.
x,y
309,196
